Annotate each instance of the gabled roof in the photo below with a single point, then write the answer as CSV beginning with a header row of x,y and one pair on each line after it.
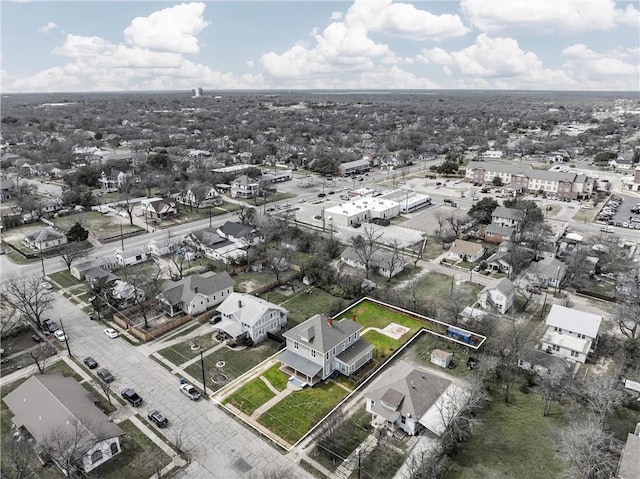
x,y
508,213
549,268
132,252
246,308
505,286
406,391
499,230
570,319
50,402
545,360
244,180
208,236
317,333
237,230
465,247
378,258
187,288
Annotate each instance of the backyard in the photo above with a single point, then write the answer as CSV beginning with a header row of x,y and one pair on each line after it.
x,y
302,306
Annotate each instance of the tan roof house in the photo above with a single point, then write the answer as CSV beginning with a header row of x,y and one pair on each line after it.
x,y
466,251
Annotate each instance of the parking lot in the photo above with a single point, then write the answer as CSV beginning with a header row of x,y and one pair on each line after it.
x,y
617,211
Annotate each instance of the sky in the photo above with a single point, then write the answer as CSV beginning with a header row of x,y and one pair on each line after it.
x,y
78,46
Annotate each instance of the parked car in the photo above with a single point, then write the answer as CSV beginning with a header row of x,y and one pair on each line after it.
x,y
321,195
157,418
46,285
110,332
380,221
131,397
105,375
49,325
356,225
189,391
90,362
215,319
60,336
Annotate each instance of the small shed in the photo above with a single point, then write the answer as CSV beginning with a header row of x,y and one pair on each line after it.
x,y
441,358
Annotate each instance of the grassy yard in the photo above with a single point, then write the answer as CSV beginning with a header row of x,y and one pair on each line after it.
x,y
250,396
255,393
140,457
420,354
237,362
381,463
292,417
64,279
370,314
102,226
302,306
512,441
385,346
182,352
435,285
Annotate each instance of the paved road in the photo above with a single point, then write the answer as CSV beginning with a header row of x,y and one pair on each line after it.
x,y
221,447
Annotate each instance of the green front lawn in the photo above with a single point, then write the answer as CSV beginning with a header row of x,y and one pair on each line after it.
x,y
513,440
64,279
276,377
250,396
182,352
371,314
237,362
296,414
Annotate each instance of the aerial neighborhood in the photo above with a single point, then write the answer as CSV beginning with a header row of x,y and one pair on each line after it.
x,y
289,285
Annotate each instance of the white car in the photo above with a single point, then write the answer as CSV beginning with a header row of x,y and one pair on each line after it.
x,y
46,285
110,332
60,336
189,391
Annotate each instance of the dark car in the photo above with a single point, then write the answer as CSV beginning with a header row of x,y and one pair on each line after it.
x,y
131,397
157,418
472,362
321,195
90,362
381,221
216,318
356,225
105,375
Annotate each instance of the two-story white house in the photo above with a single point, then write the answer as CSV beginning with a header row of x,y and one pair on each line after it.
x,y
195,294
319,346
245,187
245,315
211,198
571,333
508,217
498,296
158,208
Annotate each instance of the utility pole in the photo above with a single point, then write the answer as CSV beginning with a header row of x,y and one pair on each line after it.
x,y
209,215
42,261
66,338
121,237
204,381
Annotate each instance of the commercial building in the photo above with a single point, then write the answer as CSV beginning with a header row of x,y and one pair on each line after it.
x,y
361,210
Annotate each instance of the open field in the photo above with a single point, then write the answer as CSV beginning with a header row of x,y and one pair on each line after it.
x,y
102,226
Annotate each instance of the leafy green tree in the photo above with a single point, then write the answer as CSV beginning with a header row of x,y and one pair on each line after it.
x,y
449,167
483,209
497,181
77,233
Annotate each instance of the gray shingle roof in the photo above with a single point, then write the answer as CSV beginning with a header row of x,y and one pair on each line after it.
x,y
412,391
246,308
508,213
523,170
323,337
185,289
48,402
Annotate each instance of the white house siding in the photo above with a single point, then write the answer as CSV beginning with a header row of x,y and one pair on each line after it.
x,y
105,447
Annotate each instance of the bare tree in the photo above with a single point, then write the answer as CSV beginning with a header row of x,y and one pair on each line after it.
x,y
427,465
458,410
66,445
553,387
71,252
393,260
602,395
585,445
365,246
627,319
17,458
278,260
128,189
106,389
245,213
10,317
41,353
29,297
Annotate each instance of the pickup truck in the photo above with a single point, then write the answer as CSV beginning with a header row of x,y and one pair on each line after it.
x,y
607,229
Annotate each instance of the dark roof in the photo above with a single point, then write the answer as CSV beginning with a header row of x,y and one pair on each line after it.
x,y
411,391
499,230
185,289
237,230
544,360
208,236
316,332
300,363
509,213
52,402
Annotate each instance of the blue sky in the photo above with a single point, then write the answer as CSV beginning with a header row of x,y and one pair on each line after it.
x,y
360,44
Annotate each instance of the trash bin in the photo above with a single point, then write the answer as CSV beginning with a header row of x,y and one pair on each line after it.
x,y
182,381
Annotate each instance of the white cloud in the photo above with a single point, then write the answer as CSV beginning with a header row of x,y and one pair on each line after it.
x,y
48,27
173,29
404,20
498,63
557,16
77,46
608,70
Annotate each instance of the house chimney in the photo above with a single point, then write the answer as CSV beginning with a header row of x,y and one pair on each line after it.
x,y
353,317
330,321
239,303
195,290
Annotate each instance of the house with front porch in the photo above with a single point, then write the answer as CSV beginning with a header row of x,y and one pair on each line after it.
x,y
320,346
571,333
245,315
245,187
548,272
195,294
402,396
44,238
47,404
466,251
158,208
242,235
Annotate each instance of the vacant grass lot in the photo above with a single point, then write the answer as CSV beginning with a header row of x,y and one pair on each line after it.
x,y
302,306
237,362
64,279
294,416
182,352
512,441
434,285
103,226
